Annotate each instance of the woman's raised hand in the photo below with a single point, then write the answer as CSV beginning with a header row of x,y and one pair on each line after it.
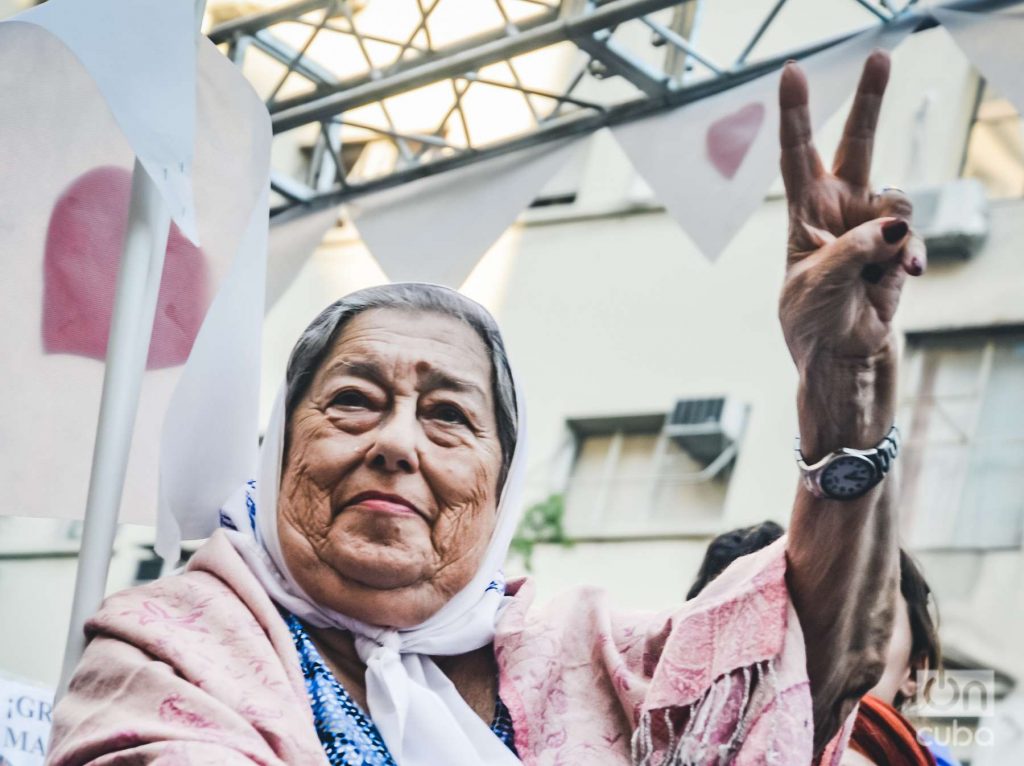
x,y
849,253
850,249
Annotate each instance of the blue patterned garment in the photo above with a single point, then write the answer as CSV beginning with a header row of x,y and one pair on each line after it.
x,y
348,736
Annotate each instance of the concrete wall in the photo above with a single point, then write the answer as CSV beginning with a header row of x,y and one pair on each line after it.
x,y
37,580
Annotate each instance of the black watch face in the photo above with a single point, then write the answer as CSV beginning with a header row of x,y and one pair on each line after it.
x,y
848,477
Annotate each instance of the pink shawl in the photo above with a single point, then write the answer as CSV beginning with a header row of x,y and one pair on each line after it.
x,y
200,668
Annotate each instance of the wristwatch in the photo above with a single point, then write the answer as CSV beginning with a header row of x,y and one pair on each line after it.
x,y
847,474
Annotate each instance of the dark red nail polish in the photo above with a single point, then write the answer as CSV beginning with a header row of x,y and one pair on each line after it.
x,y
895,230
916,269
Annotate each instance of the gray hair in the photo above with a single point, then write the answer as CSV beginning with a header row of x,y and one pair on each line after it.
x,y
316,341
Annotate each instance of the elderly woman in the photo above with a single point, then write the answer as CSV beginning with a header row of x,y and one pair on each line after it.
x,y
352,610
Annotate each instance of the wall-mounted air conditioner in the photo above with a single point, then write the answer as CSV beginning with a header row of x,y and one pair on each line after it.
x,y
706,428
952,218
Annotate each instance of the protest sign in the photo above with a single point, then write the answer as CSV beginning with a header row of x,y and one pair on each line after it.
x,y
25,729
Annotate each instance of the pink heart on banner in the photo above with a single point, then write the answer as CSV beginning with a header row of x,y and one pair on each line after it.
x,y
83,252
728,139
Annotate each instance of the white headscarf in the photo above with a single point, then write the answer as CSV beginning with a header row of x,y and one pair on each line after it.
x,y
420,714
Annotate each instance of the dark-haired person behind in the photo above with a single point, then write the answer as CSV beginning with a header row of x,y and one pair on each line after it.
x,y
729,546
881,735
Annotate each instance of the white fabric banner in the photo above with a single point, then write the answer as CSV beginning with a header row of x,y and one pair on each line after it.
x,y
436,229
210,441
64,186
711,162
25,726
142,56
992,41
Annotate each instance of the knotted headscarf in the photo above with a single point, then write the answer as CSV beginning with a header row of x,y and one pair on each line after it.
x,y
420,714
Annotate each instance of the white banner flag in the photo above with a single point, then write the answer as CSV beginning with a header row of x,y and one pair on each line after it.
x,y
146,79
436,229
66,153
711,162
291,244
25,727
992,41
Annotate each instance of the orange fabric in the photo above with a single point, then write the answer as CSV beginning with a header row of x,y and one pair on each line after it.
x,y
882,734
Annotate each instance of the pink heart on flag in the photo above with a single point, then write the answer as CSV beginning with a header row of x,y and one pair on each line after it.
x,y
729,138
83,252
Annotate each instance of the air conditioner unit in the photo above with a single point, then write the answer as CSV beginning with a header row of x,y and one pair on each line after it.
x,y
705,428
952,218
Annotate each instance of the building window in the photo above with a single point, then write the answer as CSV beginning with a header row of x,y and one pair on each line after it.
x,y
995,151
963,419
653,475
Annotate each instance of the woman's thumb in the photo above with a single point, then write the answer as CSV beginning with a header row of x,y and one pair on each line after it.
x,y
875,241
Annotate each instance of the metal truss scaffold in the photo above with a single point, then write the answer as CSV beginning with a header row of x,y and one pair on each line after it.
x,y
617,60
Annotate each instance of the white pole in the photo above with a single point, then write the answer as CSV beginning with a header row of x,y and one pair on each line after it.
x,y
131,327
138,286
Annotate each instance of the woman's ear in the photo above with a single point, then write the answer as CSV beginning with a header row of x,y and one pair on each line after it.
x,y
908,688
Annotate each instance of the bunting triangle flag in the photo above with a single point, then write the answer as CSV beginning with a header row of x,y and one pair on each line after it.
x,y
711,162
291,244
68,139
436,229
992,41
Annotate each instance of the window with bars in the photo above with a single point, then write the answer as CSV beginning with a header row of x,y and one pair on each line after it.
x,y
649,476
962,416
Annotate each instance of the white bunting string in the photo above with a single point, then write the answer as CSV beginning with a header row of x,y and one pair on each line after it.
x,y
992,41
436,229
711,162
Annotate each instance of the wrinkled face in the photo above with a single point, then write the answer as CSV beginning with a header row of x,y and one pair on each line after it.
x,y
389,482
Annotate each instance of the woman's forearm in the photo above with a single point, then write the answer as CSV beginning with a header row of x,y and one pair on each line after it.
x,y
843,554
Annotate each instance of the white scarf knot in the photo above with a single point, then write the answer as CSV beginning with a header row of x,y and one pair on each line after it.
x,y
386,641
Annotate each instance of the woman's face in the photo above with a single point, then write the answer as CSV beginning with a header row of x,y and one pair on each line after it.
x,y
389,482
